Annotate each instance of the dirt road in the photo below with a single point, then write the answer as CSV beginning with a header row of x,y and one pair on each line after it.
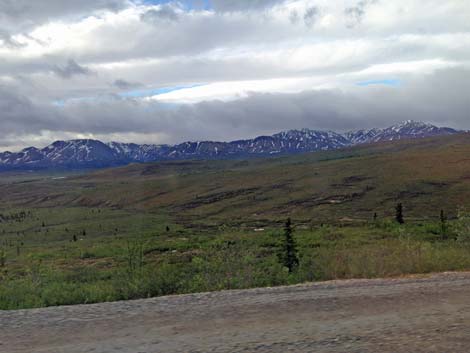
x,y
419,314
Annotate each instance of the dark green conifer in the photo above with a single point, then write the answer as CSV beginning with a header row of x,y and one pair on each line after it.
x,y
443,224
399,214
289,251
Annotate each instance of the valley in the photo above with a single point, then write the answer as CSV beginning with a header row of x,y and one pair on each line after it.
x,y
175,227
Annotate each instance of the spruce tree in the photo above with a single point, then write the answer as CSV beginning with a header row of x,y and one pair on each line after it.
x,y
443,220
399,214
3,257
289,255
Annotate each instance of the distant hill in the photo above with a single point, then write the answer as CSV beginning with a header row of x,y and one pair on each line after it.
x,y
86,153
350,183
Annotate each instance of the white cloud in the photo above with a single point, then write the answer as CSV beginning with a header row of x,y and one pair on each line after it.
x,y
410,67
85,56
233,90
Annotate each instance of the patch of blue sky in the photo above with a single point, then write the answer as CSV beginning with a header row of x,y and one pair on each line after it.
x,y
394,82
140,93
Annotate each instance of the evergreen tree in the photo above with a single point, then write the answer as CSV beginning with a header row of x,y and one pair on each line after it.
x,y
443,220
399,214
289,251
3,257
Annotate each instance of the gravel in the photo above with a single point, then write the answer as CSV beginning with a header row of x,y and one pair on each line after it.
x,y
429,313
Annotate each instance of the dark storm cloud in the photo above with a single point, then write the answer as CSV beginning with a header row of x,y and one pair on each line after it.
x,y
324,109
374,106
19,115
237,45
71,69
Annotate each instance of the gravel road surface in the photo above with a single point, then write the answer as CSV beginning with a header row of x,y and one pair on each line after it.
x,y
415,314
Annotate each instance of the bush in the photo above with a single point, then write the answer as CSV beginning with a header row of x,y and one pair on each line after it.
x,y
461,227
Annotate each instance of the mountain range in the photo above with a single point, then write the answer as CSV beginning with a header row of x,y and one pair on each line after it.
x,y
87,153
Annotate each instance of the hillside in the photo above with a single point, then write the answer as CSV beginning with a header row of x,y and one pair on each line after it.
x,y
425,175
190,226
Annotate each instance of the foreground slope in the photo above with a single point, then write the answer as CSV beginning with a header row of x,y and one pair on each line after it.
x,y
196,226
417,314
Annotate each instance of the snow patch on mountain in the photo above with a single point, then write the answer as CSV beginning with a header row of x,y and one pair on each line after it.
x,y
93,153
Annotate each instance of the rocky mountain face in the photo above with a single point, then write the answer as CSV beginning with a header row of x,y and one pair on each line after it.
x,y
86,153
404,130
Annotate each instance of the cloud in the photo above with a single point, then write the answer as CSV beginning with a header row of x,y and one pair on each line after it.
x,y
179,70
8,40
71,69
356,13
311,16
123,84
163,13
237,5
21,15
257,113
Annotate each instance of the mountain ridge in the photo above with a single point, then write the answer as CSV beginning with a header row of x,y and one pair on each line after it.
x,y
89,153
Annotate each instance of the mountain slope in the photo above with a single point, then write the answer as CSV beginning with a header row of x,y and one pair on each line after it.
x,y
92,153
405,130
426,176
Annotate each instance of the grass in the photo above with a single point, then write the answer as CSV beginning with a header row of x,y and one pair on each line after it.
x,y
143,259
192,226
424,175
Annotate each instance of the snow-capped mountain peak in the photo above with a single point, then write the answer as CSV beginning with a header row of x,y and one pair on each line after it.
x,y
93,153
407,129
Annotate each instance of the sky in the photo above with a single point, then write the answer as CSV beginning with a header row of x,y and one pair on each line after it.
x,y
164,71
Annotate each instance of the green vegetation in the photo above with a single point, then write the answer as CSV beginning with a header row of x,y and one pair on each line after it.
x,y
289,249
144,260
181,227
399,214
